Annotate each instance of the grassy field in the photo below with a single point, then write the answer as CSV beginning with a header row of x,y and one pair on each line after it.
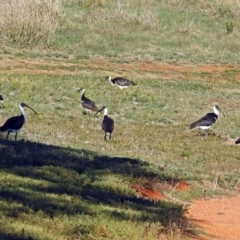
x,y
61,180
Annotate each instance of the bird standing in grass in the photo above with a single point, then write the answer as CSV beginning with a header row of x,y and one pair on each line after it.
x,y
1,101
107,124
88,105
121,82
207,121
14,124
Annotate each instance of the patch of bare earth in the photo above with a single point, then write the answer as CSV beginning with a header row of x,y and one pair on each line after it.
x,y
215,218
219,218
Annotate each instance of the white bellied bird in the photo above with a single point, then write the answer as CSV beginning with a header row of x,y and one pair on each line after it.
x,y
87,104
14,124
107,123
207,121
121,82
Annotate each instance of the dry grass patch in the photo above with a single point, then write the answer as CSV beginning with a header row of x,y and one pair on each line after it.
x,y
29,23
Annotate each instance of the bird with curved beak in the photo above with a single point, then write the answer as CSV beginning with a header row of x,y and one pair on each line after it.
x,y
121,82
107,123
208,120
15,124
1,101
88,105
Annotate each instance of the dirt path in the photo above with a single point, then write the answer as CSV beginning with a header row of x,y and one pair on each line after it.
x,y
219,218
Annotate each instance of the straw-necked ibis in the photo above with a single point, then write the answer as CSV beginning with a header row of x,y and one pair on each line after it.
x,y
88,105
14,124
107,123
121,82
207,121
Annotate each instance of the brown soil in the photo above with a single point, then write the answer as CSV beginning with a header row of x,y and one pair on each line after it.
x,y
219,218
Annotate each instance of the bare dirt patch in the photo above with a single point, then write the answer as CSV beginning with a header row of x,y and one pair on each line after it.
x,y
219,218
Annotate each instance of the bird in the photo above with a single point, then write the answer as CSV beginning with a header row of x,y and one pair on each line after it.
x,y
1,101
87,104
121,82
237,141
107,123
207,121
14,124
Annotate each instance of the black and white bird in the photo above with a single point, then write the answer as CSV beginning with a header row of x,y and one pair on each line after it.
x,y
207,121
14,124
121,82
1,101
107,123
88,105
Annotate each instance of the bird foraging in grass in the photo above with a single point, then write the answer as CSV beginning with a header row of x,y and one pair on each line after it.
x,y
207,121
121,82
87,104
15,124
107,124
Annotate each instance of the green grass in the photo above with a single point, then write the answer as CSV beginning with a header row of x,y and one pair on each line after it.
x,y
62,180
173,31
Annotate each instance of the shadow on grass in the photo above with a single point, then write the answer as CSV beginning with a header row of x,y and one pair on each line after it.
x,y
40,171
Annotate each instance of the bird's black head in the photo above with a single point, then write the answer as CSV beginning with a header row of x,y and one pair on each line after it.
x,y
80,89
25,105
100,110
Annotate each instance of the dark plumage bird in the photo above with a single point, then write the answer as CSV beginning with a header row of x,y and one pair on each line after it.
x,y
238,141
1,100
107,124
121,82
14,124
207,121
87,104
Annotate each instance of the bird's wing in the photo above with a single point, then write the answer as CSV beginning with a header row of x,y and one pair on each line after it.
x,y
123,81
88,104
207,120
15,123
238,141
108,124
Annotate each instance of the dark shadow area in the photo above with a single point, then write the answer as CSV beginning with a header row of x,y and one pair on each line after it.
x,y
77,173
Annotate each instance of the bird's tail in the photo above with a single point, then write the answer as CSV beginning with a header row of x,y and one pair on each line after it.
x,y
194,125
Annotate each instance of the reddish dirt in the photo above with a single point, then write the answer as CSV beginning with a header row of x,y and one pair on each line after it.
x,y
149,193
219,218
216,218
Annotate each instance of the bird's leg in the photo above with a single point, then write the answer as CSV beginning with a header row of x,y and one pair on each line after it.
x,y
7,135
110,136
15,136
206,132
105,137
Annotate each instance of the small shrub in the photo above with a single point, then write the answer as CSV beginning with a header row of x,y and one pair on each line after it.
x,y
29,22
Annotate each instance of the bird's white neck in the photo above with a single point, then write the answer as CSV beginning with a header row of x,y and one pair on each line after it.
x,y
105,112
215,110
22,111
82,92
110,80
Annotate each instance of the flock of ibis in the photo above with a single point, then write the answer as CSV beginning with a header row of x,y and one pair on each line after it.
x,y
15,124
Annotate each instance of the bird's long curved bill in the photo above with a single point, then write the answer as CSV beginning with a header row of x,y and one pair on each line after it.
x,y
30,108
